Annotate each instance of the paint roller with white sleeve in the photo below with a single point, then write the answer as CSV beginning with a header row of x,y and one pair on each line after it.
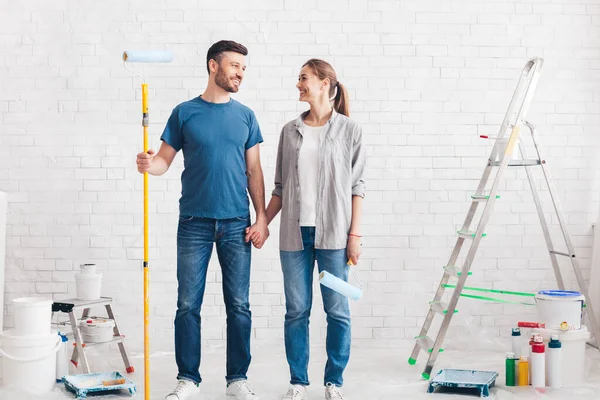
x,y
336,284
342,287
148,56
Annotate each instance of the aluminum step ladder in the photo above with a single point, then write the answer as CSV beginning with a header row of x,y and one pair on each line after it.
x,y
501,157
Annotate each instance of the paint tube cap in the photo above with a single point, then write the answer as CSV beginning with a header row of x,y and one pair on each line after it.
x,y
538,339
538,348
554,342
510,355
516,331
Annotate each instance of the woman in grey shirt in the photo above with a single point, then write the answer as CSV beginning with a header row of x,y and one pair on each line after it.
x,y
319,188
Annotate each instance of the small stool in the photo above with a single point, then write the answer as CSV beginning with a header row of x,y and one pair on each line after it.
x,y
70,306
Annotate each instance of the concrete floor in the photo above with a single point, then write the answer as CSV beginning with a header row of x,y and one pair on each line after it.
x,y
374,373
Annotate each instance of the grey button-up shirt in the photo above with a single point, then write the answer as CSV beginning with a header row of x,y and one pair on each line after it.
x,y
342,164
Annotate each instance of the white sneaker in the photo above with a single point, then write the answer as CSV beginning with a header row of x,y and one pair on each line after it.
x,y
241,390
184,390
296,392
333,392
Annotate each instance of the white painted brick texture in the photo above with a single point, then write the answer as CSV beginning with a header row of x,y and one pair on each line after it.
x,y
426,78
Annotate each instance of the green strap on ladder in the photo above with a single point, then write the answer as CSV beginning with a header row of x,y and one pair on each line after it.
x,y
476,289
506,292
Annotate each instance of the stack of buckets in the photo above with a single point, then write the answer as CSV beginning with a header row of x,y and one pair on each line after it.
x,y
29,350
561,312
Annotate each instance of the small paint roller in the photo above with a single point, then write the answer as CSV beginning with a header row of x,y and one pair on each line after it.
x,y
148,56
340,286
113,382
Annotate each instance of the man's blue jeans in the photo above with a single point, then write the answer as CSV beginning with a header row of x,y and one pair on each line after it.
x,y
195,239
298,269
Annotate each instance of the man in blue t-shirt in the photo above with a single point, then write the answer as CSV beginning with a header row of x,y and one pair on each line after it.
x,y
219,138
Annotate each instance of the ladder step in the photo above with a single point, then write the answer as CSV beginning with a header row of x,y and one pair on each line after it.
x,y
455,271
426,344
69,304
560,253
440,307
482,197
469,234
518,163
115,339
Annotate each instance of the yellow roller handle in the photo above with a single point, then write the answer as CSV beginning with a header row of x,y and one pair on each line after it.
x,y
514,138
146,278
144,98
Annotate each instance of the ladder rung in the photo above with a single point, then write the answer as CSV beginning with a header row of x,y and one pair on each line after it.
x,y
518,163
468,234
115,339
455,271
560,253
440,307
426,344
482,197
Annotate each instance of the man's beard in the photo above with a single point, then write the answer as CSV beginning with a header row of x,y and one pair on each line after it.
x,y
224,83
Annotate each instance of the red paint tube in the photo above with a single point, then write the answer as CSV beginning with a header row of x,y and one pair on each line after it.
x,y
531,325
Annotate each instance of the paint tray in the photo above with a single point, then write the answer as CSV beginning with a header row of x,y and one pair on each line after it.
x,y
84,384
481,381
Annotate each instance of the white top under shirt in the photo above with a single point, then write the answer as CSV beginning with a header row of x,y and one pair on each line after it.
x,y
308,167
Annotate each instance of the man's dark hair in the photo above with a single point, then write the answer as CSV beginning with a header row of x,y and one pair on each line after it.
x,y
216,51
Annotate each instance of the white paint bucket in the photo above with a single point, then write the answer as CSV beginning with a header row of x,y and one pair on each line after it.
x,y
32,316
97,330
88,286
572,369
88,268
29,362
557,306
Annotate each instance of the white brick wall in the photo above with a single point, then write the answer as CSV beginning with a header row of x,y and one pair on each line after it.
x,y
425,79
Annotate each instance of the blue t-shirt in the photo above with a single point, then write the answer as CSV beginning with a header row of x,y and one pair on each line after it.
x,y
214,139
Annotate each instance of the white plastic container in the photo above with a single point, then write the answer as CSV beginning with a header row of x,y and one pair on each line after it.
x,y
32,316
572,370
97,330
62,361
538,364
517,342
29,362
557,306
88,269
88,286
554,363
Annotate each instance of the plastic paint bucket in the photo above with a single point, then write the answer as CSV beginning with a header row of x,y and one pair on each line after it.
x,y
97,330
29,362
557,306
33,316
88,286
88,268
573,345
